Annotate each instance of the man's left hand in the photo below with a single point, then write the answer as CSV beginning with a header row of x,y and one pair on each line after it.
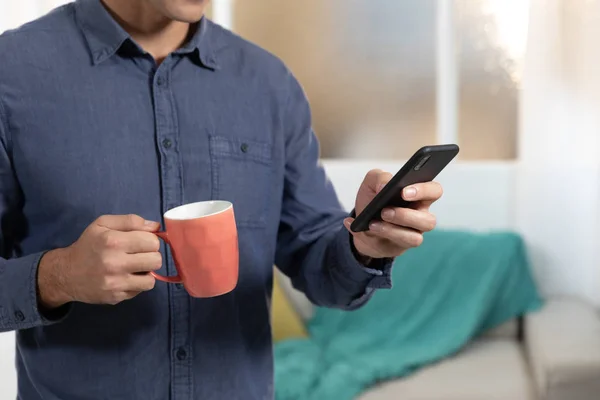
x,y
400,228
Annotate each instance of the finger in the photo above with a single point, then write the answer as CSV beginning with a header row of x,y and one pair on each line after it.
x,y
133,242
115,298
376,179
425,192
422,221
140,283
142,262
127,223
348,223
123,296
130,295
375,246
399,236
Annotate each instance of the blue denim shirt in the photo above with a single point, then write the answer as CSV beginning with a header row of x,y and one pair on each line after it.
x,y
91,125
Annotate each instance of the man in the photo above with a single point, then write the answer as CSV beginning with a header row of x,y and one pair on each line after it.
x,y
110,114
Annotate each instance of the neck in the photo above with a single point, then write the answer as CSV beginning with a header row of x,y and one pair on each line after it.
x,y
154,32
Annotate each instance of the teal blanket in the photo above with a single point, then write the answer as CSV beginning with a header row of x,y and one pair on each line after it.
x,y
453,287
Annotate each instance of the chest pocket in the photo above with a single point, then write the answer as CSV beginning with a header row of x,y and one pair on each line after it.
x,y
241,172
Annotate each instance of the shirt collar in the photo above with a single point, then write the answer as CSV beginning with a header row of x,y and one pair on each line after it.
x,y
202,44
105,36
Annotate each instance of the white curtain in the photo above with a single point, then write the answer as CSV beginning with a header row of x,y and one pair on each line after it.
x,y
16,12
558,190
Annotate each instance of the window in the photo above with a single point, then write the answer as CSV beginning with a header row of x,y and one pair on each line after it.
x,y
387,76
491,37
369,71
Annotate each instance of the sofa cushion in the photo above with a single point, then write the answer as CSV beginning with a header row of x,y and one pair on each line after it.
x,y
507,330
487,369
297,299
285,321
563,346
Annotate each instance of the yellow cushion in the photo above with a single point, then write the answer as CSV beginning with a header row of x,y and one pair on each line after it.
x,y
286,322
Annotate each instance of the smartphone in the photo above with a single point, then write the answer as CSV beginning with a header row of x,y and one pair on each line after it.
x,y
423,166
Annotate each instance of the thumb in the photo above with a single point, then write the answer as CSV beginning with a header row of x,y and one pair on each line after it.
x,y
376,179
126,223
347,223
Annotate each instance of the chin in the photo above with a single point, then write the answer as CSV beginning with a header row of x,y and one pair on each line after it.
x,y
189,13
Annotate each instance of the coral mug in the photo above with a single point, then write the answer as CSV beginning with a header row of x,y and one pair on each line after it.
x,y
204,244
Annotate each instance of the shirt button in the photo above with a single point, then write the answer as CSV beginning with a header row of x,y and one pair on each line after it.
x,y
181,354
19,316
160,81
179,286
244,147
167,143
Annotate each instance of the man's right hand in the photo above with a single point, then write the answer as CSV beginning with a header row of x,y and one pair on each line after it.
x,y
108,264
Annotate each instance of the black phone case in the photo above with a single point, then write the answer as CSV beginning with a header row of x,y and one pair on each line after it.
x,y
423,166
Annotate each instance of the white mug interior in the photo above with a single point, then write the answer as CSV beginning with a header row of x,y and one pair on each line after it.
x,y
198,210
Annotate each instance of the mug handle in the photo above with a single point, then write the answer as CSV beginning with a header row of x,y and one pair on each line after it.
x,y
169,279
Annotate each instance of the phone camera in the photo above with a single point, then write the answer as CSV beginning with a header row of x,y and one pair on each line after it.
x,y
422,163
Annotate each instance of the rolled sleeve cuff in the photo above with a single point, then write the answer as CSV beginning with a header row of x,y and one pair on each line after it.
x,y
378,275
21,303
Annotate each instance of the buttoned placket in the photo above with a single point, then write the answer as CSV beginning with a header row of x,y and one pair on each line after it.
x,y
172,196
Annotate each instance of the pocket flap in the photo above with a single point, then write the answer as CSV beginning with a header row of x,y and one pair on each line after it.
x,y
242,149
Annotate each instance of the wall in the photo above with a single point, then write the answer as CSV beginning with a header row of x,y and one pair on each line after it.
x,y
464,205
8,378
559,146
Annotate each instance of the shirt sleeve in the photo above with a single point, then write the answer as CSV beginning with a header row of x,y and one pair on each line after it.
x,y
18,275
314,248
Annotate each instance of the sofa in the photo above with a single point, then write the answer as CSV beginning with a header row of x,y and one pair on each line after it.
x,y
552,354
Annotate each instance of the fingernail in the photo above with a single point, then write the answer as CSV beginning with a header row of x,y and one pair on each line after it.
x,y
150,223
376,227
410,192
380,186
388,214
347,223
